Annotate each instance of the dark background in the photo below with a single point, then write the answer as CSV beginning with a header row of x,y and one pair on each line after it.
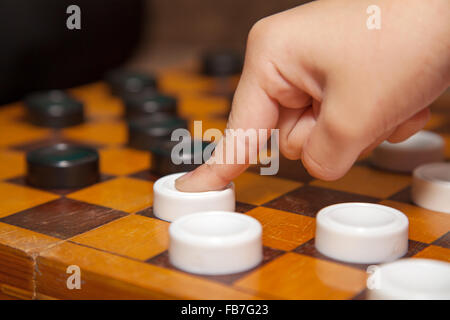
x,y
38,52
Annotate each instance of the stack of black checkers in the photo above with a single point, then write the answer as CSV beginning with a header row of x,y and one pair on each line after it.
x,y
55,109
62,166
152,116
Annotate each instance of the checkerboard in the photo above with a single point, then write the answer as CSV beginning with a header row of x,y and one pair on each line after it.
x,y
109,231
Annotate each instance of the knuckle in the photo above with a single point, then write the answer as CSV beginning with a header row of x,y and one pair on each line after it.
x,y
259,31
344,129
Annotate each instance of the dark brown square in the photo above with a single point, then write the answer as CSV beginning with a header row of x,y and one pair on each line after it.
x,y
145,175
402,196
269,254
147,212
443,241
444,128
63,218
288,169
309,249
243,207
414,247
308,200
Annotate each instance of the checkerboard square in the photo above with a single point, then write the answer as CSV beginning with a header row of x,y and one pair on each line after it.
x,y
92,92
20,132
123,161
196,106
12,164
436,120
402,196
283,230
424,225
125,194
104,133
256,189
179,82
11,112
435,252
443,241
295,276
14,198
444,128
145,175
308,200
148,212
368,181
134,236
288,169
244,207
102,108
63,218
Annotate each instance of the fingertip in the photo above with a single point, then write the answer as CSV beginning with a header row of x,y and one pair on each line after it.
x,y
183,182
204,178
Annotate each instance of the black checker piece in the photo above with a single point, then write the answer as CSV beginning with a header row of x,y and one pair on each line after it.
x,y
55,109
62,166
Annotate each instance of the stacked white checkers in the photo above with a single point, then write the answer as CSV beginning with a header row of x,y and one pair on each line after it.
x,y
206,235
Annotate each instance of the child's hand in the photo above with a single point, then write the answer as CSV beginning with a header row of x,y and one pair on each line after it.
x,y
333,87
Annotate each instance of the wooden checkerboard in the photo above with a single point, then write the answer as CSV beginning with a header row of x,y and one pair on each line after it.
x,y
109,231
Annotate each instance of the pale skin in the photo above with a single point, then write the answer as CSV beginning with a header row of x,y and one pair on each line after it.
x,y
334,88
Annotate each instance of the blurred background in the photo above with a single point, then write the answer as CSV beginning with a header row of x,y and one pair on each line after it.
x,y
179,28
38,52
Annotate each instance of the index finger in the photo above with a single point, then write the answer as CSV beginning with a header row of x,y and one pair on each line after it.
x,y
252,109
